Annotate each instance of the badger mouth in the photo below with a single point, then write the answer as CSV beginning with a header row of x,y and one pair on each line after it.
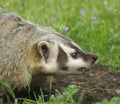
x,y
83,69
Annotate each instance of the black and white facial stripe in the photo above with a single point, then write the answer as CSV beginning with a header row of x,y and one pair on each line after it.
x,y
71,57
62,59
64,56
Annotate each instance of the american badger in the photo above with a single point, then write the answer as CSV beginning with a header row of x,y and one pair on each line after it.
x,y
26,48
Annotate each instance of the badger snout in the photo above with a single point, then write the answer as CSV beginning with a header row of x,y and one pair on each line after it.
x,y
94,58
90,58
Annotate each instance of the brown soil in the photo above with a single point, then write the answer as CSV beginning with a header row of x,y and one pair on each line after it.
x,y
96,84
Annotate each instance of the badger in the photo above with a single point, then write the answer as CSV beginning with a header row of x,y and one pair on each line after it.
x,y
26,48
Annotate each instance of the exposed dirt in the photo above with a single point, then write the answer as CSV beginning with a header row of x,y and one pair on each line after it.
x,y
97,84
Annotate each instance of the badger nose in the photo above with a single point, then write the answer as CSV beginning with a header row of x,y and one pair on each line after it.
x,y
94,58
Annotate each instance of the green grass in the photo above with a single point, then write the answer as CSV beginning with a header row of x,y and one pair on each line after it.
x,y
61,98
97,30
114,100
66,97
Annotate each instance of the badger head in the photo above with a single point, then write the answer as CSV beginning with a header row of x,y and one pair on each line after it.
x,y
61,55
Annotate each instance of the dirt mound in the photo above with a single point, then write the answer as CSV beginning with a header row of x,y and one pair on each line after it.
x,y
97,84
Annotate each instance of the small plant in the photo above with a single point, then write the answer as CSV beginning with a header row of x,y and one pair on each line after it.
x,y
114,100
8,87
66,97
9,90
60,98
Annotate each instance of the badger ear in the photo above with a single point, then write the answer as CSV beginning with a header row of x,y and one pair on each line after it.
x,y
43,49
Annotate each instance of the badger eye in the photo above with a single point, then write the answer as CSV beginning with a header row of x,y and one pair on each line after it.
x,y
75,55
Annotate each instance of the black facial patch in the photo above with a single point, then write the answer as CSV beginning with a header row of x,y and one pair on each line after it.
x,y
78,53
62,59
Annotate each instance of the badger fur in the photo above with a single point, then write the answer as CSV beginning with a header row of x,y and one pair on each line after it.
x,y
26,48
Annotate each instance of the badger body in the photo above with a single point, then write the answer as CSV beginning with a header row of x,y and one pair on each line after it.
x,y
26,48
